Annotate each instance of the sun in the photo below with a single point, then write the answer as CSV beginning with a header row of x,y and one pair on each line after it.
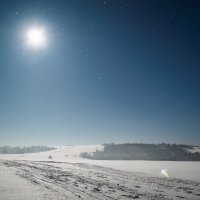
x,y
36,38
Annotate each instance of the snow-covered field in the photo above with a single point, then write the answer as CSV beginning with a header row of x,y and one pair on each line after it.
x,y
67,176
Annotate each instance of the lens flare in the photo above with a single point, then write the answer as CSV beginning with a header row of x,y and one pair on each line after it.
x,y
164,172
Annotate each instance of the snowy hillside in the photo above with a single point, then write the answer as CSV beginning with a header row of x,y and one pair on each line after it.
x,y
65,175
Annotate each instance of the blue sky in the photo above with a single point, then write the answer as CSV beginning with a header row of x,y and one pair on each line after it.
x,y
113,71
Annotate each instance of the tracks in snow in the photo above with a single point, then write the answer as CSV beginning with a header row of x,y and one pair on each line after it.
x,y
84,181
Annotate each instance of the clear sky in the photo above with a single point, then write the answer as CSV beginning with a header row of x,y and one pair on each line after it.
x,y
111,71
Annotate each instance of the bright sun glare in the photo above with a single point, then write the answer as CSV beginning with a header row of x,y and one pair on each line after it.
x,y
36,38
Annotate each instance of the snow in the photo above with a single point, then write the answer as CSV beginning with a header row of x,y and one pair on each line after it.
x,y
62,153
67,176
13,187
194,150
184,170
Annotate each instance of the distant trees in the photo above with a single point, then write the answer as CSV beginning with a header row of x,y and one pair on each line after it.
x,y
128,151
22,150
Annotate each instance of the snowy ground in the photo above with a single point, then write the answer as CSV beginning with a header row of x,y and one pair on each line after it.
x,y
194,150
67,176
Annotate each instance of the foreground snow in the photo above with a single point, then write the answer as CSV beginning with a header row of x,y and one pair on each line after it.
x,y
12,187
67,176
84,181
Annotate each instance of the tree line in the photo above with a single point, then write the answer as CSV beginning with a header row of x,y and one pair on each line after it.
x,y
21,150
163,152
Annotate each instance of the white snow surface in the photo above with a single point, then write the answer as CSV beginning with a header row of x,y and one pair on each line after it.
x,y
194,150
175,169
68,176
